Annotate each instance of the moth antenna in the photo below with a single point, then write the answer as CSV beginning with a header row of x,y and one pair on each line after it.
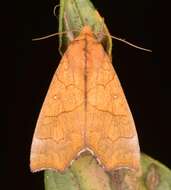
x,y
68,32
52,35
48,36
113,37
130,44
121,40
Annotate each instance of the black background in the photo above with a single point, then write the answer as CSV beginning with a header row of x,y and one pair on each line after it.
x,y
36,62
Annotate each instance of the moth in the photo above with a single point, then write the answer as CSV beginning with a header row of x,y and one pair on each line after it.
x,y
85,109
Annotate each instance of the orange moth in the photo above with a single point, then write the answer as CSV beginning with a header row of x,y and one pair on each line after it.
x,y
85,109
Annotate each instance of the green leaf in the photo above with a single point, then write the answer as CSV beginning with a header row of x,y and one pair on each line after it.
x,y
58,181
155,176
74,14
86,174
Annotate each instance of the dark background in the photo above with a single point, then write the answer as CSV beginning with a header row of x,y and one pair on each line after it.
x,y
138,71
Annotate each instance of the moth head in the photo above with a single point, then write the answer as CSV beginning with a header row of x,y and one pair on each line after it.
x,y
86,30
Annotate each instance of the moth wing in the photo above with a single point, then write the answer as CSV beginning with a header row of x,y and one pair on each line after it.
x,y
111,131
58,134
